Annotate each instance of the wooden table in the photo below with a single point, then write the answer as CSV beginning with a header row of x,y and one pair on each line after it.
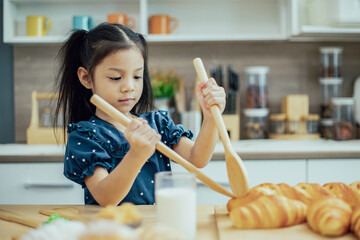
x,y
206,227
213,223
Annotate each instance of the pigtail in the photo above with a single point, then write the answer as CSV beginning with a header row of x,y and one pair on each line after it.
x,y
74,98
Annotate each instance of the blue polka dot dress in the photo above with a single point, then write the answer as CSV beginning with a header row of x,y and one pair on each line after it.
x,y
97,143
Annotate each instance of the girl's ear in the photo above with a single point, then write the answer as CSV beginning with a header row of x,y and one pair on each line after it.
x,y
84,77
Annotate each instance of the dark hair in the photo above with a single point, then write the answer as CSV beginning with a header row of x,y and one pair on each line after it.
x,y
87,49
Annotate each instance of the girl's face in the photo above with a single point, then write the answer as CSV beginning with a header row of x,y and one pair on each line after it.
x,y
118,79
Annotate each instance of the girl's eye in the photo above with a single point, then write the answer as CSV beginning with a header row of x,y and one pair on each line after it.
x,y
115,78
138,77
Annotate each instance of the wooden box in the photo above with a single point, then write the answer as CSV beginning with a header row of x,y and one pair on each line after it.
x,y
295,106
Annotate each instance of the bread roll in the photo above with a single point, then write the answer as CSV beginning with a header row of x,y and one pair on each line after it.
x,y
251,196
329,216
355,186
269,211
355,222
344,192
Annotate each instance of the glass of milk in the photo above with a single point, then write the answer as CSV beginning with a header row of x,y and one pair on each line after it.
x,y
175,195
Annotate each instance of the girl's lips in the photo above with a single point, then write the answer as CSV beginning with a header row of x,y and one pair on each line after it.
x,y
127,100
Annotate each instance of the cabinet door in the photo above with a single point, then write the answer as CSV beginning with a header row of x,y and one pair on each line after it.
x,y
259,171
334,170
292,171
37,183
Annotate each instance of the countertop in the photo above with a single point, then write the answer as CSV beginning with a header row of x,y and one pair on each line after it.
x,y
213,223
247,150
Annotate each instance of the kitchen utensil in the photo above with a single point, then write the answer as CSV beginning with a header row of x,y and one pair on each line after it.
x,y
237,174
70,213
12,217
161,147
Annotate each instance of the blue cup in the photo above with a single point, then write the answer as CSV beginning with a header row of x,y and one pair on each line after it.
x,y
83,22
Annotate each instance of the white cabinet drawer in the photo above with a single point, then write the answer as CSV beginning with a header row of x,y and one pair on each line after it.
x,y
334,170
37,183
292,171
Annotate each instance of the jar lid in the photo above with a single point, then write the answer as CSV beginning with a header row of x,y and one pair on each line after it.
x,y
278,116
312,117
331,49
257,70
330,81
256,112
326,122
343,101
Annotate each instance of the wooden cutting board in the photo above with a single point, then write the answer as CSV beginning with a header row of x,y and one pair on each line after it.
x,y
226,231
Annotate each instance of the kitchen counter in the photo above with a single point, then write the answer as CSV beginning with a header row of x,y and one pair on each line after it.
x,y
213,223
247,149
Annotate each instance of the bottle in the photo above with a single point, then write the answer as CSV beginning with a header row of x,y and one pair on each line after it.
x,y
256,93
311,123
343,118
256,123
330,88
46,119
277,123
331,62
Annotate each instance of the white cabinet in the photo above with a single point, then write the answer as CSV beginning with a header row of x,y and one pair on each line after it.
x,y
333,170
199,20
321,20
37,183
259,171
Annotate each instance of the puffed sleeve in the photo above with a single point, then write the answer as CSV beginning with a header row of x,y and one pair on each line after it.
x,y
172,132
84,152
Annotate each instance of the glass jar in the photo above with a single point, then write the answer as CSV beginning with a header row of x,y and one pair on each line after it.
x,y
256,93
256,123
343,118
326,128
331,62
277,123
311,123
293,125
330,88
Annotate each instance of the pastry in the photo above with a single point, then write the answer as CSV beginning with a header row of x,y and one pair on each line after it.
x,y
126,213
344,192
355,186
314,190
329,216
269,211
104,229
355,222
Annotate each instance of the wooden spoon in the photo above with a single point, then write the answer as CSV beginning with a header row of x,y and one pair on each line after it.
x,y
161,147
237,174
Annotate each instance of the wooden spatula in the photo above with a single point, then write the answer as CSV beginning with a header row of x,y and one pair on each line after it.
x,y
161,147
13,217
237,174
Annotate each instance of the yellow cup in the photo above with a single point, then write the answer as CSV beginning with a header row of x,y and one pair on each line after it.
x,y
37,26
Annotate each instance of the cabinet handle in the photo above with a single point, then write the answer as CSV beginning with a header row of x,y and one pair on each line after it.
x,y
29,185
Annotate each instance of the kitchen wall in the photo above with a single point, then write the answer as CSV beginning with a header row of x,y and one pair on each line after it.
x,y
293,69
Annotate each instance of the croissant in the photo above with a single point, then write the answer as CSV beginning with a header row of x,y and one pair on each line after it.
x,y
355,186
269,211
329,216
355,222
252,195
344,192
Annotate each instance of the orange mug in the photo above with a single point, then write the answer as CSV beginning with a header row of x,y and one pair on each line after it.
x,y
121,18
162,24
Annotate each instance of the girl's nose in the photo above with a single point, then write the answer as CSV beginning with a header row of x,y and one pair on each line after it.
x,y
128,86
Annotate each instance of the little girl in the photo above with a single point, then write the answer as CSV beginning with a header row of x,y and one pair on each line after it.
x,y
114,167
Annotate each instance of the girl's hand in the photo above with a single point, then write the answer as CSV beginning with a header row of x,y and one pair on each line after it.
x,y
142,138
209,94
